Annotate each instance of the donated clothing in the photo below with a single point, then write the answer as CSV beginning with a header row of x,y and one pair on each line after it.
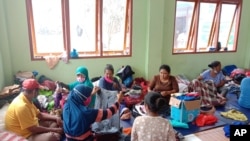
x,y
14,119
105,99
234,114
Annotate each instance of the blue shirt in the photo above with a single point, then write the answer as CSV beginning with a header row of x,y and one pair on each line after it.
x,y
217,79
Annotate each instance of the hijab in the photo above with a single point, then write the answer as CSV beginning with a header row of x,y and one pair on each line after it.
x,y
77,118
84,71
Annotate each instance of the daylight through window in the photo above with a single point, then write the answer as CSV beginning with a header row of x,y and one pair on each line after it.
x,y
206,25
92,28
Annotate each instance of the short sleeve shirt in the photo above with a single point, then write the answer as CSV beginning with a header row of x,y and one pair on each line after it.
x,y
21,115
217,79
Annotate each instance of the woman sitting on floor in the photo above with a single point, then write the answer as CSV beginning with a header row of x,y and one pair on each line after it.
x,y
108,81
78,118
210,85
165,84
111,83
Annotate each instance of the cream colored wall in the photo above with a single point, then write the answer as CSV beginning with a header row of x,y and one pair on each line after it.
x,y
153,27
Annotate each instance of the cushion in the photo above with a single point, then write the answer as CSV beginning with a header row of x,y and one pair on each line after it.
x,y
9,136
6,135
2,116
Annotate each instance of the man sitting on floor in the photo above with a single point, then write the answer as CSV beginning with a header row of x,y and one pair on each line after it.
x,y
24,119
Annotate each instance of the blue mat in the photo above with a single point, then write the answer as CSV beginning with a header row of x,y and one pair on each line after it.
x,y
194,129
232,102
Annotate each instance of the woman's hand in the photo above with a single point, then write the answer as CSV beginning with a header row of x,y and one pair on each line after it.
x,y
59,122
115,85
120,96
57,130
95,89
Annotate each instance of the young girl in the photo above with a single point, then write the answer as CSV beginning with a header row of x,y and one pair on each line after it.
x,y
152,127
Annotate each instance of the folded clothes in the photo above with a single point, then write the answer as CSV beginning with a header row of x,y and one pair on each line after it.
x,y
175,123
234,114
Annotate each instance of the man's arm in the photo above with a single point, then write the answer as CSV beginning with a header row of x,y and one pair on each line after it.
x,y
40,129
45,116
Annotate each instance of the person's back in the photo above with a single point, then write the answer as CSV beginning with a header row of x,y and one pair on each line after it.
x,y
152,127
244,93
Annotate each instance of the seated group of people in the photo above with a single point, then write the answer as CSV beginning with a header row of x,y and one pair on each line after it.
x,y
26,120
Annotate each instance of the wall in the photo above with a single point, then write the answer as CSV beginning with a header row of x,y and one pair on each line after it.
x,y
5,63
1,72
153,28
1,62
192,64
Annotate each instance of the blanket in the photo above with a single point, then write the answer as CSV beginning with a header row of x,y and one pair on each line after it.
x,y
208,92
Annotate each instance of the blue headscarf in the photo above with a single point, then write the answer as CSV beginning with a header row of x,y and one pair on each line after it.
x,y
77,118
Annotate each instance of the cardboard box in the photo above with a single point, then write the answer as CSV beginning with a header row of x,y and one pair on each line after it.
x,y
184,111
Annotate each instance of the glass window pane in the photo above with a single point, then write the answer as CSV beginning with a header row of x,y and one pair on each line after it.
x,y
184,12
113,24
49,35
207,11
227,16
82,25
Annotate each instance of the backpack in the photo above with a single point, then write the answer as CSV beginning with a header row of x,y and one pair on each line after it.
x,y
228,69
125,72
126,75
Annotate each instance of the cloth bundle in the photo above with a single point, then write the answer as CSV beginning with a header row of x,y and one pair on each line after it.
x,y
205,119
234,114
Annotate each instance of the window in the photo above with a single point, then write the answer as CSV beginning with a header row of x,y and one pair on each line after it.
x,y
206,25
93,28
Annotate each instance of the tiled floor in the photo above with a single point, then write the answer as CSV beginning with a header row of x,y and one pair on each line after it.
x,y
216,134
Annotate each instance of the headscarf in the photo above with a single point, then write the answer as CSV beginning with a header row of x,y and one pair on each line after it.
x,y
84,71
78,118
